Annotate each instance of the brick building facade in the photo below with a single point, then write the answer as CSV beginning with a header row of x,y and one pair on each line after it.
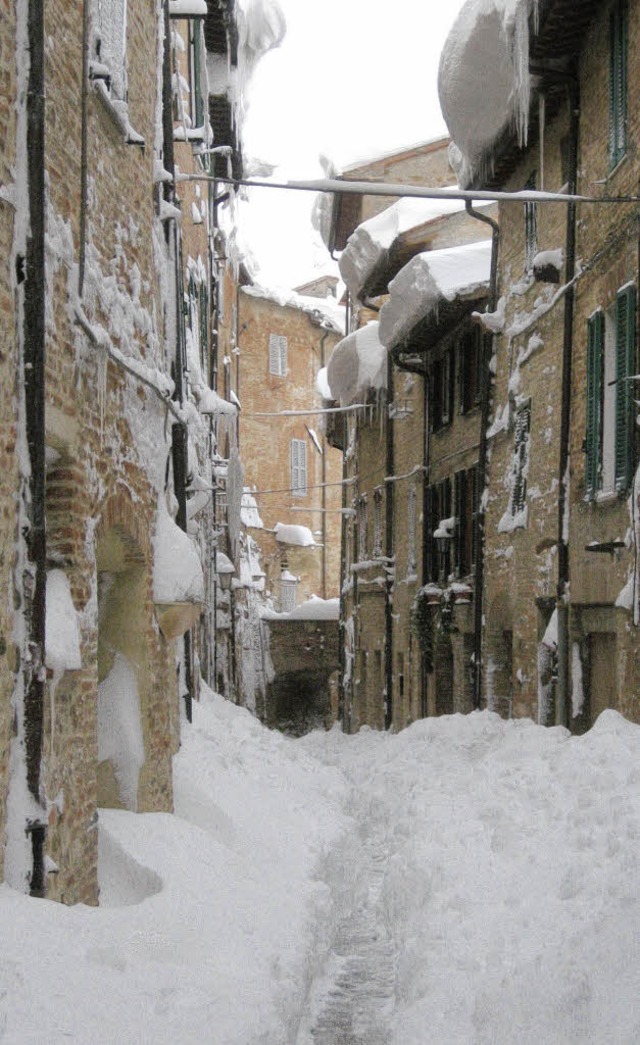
x,y
111,428
294,474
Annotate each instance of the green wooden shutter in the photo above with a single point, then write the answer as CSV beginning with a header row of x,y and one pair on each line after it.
x,y
617,83
595,353
430,501
521,458
625,368
474,479
460,492
197,73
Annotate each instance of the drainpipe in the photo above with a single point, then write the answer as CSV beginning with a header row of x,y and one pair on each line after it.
x,y
478,580
324,489
168,162
562,602
179,460
84,110
421,370
389,543
31,273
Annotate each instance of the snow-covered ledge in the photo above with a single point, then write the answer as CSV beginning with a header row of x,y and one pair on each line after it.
x,y
428,280
483,80
178,580
357,365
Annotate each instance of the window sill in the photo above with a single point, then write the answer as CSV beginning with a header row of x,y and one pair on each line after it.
x,y
614,170
605,497
119,113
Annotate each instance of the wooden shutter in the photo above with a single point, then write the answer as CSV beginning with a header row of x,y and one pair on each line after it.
x,y
197,92
411,529
476,493
298,467
530,227
111,32
460,492
429,525
448,385
617,83
278,355
295,467
595,356
521,456
625,368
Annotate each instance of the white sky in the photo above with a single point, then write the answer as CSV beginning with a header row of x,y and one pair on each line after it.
x,y
353,79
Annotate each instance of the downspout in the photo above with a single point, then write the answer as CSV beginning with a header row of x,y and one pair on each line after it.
x,y
389,547
342,634
84,111
31,273
179,431
426,522
422,371
324,488
562,601
478,580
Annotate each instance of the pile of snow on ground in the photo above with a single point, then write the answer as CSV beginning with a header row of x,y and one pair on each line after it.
x,y
470,876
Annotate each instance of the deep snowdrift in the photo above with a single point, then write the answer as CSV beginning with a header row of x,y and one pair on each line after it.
x,y
505,898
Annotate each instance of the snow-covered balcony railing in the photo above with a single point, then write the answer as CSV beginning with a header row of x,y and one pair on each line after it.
x,y
432,293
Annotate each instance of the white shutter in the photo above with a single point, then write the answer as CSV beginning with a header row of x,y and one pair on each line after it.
x,y
278,355
110,30
298,467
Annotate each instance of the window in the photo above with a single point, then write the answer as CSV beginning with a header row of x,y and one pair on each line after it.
x,y
109,48
197,62
610,415
377,521
196,310
412,561
437,552
470,364
617,83
442,390
278,355
466,510
298,468
520,467
362,529
288,592
530,228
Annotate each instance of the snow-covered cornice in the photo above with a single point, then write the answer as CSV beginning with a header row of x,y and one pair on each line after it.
x,y
358,364
428,280
483,80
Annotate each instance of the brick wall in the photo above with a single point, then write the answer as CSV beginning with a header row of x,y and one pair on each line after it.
x,y
8,462
265,442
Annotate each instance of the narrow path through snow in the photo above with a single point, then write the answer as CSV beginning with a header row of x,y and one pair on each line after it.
x,y
352,999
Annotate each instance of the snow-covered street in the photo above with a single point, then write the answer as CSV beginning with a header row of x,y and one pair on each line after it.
x,y
468,880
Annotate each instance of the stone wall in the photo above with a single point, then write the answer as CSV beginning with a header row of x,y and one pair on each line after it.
x,y
8,459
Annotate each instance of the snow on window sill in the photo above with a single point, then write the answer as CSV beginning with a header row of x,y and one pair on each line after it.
x,y
119,113
614,170
603,497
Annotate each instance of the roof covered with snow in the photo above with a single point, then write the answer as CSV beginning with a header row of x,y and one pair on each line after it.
x,y
486,93
430,279
325,312
368,245
357,365
483,80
